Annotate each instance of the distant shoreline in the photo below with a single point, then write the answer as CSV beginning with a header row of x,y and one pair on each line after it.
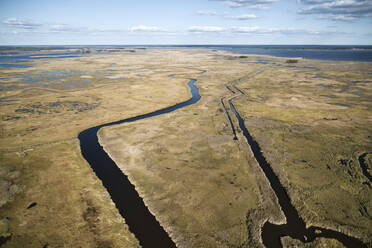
x,y
362,53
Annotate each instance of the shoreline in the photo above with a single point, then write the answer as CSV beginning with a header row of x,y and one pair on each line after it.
x,y
224,197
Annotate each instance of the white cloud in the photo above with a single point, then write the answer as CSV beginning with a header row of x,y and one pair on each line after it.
x,y
237,17
201,29
19,23
283,31
344,10
346,18
143,28
206,12
251,29
254,4
243,17
59,28
256,30
234,4
259,7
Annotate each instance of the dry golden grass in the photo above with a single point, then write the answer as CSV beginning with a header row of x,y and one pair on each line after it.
x,y
205,188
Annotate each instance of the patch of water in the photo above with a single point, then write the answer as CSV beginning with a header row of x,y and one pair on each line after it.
x,y
329,96
75,84
25,90
258,62
29,57
341,104
318,76
112,79
326,86
130,205
14,66
4,99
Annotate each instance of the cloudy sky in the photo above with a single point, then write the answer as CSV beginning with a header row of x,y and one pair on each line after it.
x,y
69,22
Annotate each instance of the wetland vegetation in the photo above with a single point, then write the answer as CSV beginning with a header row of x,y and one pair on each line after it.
x,y
307,123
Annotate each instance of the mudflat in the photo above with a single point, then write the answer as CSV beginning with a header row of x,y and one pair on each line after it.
x,y
311,119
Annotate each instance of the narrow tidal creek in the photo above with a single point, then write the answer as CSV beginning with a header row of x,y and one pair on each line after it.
x,y
145,226
130,205
295,226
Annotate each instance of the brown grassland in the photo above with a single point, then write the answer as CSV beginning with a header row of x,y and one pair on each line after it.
x,y
312,120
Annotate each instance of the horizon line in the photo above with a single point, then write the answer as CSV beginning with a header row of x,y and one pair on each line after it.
x,y
226,44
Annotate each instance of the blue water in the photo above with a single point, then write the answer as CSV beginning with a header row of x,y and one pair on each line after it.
x,y
130,205
14,66
342,53
322,52
7,61
28,57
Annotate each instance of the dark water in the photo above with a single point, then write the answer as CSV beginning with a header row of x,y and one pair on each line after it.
x,y
14,66
7,61
259,62
229,118
130,205
295,226
28,57
364,166
322,52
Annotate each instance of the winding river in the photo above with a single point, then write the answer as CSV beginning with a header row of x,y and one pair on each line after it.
x,y
145,226
127,200
295,226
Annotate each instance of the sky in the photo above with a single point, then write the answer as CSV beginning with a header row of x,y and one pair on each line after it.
x,y
124,22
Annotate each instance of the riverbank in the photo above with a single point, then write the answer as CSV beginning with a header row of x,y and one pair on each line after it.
x,y
312,127
40,155
205,188
194,149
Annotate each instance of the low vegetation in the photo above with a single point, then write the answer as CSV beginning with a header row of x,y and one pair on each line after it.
x,y
311,119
